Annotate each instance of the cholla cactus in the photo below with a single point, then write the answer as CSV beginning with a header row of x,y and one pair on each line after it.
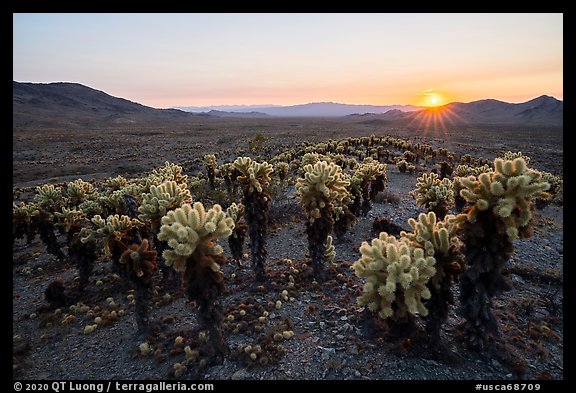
x,y
434,194
82,254
91,207
210,164
115,183
464,171
191,232
500,212
114,229
282,169
396,274
507,192
69,218
167,196
556,190
229,173
189,227
140,264
254,177
49,198
402,166
439,239
344,218
511,156
22,223
236,240
117,232
78,191
321,188
371,178
168,172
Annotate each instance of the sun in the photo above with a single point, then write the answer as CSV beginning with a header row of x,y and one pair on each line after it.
x,y
434,100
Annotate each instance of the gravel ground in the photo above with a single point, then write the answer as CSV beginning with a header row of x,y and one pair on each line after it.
x,y
333,338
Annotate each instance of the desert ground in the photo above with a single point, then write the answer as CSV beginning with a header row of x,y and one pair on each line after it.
x,y
333,338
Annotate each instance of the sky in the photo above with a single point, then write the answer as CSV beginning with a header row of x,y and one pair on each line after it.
x,y
169,60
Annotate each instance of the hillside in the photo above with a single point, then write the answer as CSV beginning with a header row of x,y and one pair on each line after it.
x,y
73,104
542,111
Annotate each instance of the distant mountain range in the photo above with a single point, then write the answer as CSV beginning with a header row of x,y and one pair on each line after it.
x,y
57,105
315,109
543,111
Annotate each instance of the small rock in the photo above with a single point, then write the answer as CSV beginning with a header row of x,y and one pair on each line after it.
x,y
340,337
517,278
496,364
357,374
344,318
541,313
326,352
322,325
353,350
240,375
431,362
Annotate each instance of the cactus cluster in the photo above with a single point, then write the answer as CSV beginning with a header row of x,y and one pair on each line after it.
x,y
434,194
396,274
321,188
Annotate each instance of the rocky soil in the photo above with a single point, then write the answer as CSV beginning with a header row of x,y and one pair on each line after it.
x,y
333,339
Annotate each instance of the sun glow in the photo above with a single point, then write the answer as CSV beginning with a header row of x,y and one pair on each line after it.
x,y
432,98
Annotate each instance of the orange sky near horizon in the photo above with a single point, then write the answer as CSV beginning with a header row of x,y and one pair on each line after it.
x,y
288,59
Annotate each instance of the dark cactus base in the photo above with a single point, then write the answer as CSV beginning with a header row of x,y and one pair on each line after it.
x,y
487,250
257,205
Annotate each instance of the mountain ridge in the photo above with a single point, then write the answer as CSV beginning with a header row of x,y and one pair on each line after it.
x,y
540,111
69,104
323,108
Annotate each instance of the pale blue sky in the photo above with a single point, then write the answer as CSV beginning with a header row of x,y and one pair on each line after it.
x,y
165,60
